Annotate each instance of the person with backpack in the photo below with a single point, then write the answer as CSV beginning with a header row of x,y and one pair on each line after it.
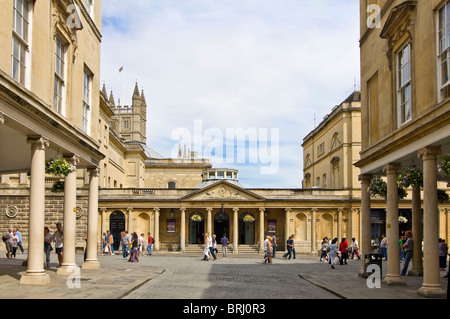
x,y
110,242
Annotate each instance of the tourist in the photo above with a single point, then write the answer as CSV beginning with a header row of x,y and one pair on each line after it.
x,y
383,247
214,242
110,242
125,241
57,238
293,247
134,246
355,248
333,252
19,234
443,251
206,251
343,249
141,244
407,251
210,246
149,244
324,245
224,242
274,245
268,258
47,245
7,239
15,244
289,245
266,252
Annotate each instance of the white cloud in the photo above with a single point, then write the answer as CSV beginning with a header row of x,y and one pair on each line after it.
x,y
234,64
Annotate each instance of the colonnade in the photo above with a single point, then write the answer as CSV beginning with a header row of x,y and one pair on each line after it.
x,y
431,286
35,273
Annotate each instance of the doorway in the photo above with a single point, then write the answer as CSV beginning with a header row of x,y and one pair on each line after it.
x,y
116,225
196,230
221,226
246,231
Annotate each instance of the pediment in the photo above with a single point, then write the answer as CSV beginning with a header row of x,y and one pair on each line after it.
x,y
223,191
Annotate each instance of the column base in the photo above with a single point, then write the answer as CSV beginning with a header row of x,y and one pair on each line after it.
x,y
67,270
394,281
91,264
39,279
416,272
432,291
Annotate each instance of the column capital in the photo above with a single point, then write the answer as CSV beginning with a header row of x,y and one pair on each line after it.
x,y
103,209
314,210
156,210
261,210
391,168
183,209
94,171
340,210
365,178
288,210
38,142
72,159
235,209
209,209
130,209
429,152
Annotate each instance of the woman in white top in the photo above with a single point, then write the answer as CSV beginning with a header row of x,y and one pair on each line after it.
x,y
333,252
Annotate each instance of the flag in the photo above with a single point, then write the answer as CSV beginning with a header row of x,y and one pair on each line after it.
x,y
121,69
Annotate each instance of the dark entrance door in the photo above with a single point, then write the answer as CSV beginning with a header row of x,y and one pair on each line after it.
x,y
221,226
116,225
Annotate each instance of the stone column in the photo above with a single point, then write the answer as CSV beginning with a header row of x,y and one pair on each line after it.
x,y
365,244
35,274
339,224
208,220
431,286
156,232
130,222
417,264
392,231
235,230
261,230
287,233
183,230
68,265
91,261
313,230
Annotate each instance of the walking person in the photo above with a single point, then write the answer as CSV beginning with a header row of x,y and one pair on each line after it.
x,y
443,251
383,247
57,238
324,245
214,241
269,253
224,242
289,245
19,234
265,250
15,244
274,245
355,248
134,246
47,245
211,247
206,251
293,247
343,249
125,240
7,239
333,253
407,252
149,244
141,244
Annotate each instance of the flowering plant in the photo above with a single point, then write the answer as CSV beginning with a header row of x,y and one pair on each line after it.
x,y
58,187
444,165
249,219
402,219
59,167
378,188
196,218
410,177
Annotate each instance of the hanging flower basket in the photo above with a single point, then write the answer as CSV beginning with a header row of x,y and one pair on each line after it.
x,y
249,219
410,177
196,218
58,187
444,164
378,188
402,219
442,196
58,167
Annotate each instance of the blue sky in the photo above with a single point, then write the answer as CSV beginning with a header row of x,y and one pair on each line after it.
x,y
255,65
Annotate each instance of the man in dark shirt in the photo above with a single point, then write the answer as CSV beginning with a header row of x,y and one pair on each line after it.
x,y
290,245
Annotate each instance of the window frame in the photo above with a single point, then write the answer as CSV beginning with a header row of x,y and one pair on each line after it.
x,y
60,74
443,34
87,101
402,86
22,39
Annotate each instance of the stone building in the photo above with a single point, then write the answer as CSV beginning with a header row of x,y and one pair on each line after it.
x,y
406,115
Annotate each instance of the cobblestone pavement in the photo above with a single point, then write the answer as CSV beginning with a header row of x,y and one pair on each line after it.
x,y
186,276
